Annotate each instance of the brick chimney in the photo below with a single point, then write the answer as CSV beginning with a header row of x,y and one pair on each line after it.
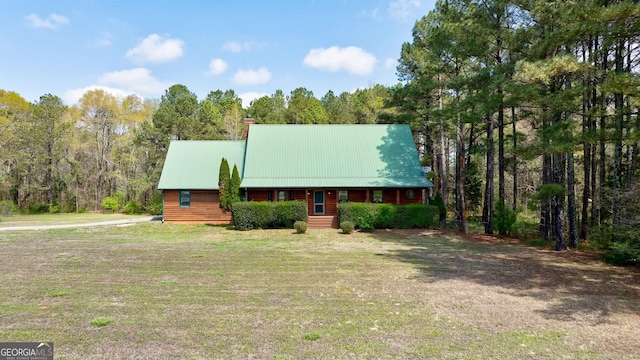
x,y
248,121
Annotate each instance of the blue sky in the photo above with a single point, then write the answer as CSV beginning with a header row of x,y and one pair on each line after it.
x,y
253,47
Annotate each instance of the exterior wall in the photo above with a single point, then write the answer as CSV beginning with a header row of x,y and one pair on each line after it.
x,y
390,196
204,208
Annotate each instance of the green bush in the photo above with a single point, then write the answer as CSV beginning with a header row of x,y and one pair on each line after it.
x,y
417,216
362,215
132,207
624,248
525,231
347,227
243,218
110,203
8,208
505,218
300,226
264,214
155,205
54,209
282,216
38,208
366,216
442,209
386,216
623,253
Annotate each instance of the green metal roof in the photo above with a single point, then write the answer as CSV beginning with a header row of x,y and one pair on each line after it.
x,y
350,156
196,164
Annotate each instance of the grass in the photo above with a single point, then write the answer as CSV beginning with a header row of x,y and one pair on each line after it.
x,y
101,321
176,291
62,219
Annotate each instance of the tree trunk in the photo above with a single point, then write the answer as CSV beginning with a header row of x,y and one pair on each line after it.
x,y
442,167
586,163
559,166
461,216
515,159
501,184
571,206
487,210
617,157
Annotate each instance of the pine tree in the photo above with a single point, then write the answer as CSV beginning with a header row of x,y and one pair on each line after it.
x,y
223,182
233,189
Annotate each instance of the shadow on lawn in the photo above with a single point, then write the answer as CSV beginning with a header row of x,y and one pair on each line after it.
x,y
570,288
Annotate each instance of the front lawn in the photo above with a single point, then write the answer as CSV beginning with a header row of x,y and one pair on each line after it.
x,y
160,291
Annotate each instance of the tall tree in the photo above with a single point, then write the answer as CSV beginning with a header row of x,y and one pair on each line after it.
x,y
304,108
43,138
177,113
224,177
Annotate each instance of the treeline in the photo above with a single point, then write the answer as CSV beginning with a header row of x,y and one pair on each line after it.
x,y
546,90
56,158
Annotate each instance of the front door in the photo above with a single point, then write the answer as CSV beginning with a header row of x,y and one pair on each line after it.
x,y
318,202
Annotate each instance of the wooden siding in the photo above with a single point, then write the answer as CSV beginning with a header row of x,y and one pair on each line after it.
x,y
204,208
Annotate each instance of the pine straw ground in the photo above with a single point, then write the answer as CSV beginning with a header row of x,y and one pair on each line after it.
x,y
173,291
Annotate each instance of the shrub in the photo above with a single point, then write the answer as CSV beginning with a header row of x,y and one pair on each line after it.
x,y
264,214
110,203
347,227
38,208
132,207
300,226
623,253
362,215
282,215
155,206
442,209
505,218
8,208
54,209
386,216
242,216
525,231
367,217
624,246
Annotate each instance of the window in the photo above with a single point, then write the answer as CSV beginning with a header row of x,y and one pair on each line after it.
x,y
410,194
185,198
269,195
377,196
292,195
282,195
343,196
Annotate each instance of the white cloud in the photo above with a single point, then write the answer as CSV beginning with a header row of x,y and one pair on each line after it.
x,y
372,14
251,77
105,40
53,21
217,67
71,97
135,80
238,47
156,49
390,63
403,9
351,59
248,97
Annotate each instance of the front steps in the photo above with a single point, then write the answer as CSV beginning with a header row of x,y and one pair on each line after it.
x,y
322,222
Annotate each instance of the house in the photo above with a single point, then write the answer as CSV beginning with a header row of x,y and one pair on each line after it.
x,y
319,164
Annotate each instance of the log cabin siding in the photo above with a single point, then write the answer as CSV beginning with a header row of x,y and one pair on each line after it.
x,y
204,208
